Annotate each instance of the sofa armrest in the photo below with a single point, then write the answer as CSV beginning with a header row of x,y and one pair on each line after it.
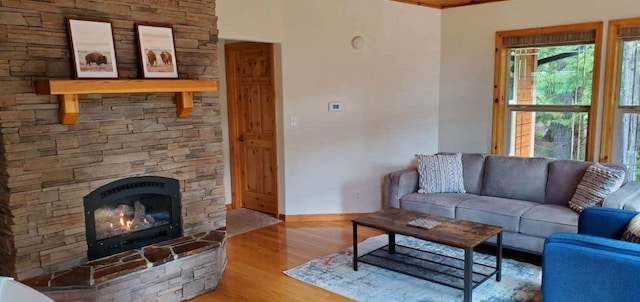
x,y
627,197
604,222
579,267
398,184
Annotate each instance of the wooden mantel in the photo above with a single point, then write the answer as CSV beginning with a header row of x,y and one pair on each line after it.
x,y
68,91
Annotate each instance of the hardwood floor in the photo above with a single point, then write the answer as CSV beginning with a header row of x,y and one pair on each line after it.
x,y
256,261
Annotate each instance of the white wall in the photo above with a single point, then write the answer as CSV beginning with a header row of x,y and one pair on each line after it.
x,y
242,20
468,42
222,92
250,20
389,90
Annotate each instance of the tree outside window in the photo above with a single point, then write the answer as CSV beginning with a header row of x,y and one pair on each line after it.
x,y
544,102
550,76
620,140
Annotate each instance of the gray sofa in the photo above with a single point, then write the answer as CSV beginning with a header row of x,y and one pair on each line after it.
x,y
528,197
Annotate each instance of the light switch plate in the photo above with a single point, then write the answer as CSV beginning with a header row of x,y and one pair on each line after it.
x,y
335,106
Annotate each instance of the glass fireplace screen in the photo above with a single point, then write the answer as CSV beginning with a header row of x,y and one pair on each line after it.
x,y
137,213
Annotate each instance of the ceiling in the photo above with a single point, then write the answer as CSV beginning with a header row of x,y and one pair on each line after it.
x,y
446,3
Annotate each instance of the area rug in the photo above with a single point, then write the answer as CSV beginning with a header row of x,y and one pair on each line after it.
x,y
244,220
520,281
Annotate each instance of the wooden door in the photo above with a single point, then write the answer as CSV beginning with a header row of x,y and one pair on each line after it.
x,y
252,126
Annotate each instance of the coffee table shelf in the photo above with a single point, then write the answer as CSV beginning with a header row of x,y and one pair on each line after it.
x,y
438,268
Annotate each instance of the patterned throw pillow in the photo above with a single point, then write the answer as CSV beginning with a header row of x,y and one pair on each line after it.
x,y
598,182
632,233
440,173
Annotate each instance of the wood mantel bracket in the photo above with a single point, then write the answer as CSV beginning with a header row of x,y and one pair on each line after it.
x,y
68,91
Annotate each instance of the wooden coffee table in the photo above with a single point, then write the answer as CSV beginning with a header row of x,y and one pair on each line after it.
x,y
452,232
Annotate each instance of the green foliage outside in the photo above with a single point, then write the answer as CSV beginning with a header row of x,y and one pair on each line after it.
x,y
567,80
629,95
564,76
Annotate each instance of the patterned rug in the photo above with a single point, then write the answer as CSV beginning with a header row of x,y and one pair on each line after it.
x,y
520,281
244,220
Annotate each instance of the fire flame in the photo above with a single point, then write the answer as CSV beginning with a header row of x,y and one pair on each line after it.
x,y
126,224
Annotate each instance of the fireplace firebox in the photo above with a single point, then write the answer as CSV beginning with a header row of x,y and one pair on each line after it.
x,y
132,213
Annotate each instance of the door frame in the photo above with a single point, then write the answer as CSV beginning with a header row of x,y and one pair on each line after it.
x,y
234,131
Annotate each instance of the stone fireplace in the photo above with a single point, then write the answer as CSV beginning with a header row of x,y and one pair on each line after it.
x,y
46,168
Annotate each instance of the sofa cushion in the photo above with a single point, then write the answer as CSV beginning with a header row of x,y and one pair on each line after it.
x,y
598,182
632,233
563,179
441,204
498,211
472,172
545,219
522,178
440,173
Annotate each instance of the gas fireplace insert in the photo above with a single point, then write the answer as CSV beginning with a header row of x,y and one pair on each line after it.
x,y
132,213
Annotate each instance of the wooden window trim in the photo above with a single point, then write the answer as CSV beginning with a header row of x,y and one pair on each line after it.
x,y
611,84
498,143
549,108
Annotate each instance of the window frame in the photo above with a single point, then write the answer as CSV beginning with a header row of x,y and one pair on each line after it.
x,y
611,108
501,107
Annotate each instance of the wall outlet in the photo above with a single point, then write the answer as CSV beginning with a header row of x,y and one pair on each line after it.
x,y
357,195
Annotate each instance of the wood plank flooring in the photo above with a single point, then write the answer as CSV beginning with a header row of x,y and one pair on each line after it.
x,y
256,260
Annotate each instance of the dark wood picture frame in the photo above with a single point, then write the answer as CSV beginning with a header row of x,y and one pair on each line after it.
x,y
157,51
93,49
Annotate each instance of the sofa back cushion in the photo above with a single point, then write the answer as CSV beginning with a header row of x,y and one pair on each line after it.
x,y
564,177
473,171
522,178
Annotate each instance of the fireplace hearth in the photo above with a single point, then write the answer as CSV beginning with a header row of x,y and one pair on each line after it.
x,y
132,213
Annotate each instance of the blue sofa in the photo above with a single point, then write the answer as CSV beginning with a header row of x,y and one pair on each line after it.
x,y
594,264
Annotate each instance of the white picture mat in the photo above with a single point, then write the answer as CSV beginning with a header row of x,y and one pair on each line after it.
x,y
157,39
93,37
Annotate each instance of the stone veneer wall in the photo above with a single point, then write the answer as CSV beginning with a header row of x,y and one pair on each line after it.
x,y
47,168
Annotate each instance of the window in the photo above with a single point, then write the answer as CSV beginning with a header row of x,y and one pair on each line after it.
x,y
545,97
621,109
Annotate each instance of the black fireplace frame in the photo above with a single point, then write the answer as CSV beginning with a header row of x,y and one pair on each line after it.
x,y
117,190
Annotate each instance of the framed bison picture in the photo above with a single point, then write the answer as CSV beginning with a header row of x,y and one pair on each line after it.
x,y
157,51
92,48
